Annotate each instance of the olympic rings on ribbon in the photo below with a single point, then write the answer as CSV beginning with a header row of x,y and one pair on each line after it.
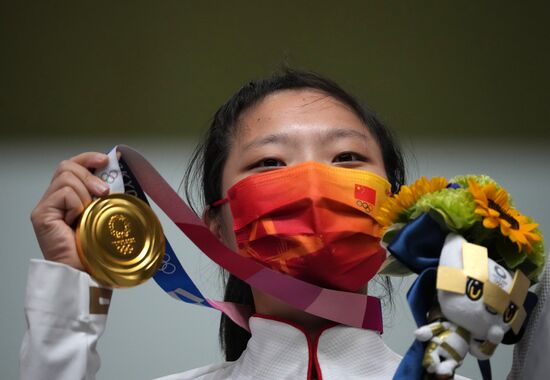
x,y
167,267
109,177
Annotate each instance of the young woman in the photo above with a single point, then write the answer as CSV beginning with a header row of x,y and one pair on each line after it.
x,y
276,124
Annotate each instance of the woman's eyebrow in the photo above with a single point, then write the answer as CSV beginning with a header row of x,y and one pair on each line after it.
x,y
341,133
325,137
278,138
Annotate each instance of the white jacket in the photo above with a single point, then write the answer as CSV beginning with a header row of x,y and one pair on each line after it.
x,y
66,313
280,350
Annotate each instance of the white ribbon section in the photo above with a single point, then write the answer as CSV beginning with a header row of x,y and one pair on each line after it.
x,y
111,173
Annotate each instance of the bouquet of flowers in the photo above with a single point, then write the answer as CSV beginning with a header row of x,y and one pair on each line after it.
x,y
474,206
475,255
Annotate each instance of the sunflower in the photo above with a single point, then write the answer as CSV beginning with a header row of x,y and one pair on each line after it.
x,y
523,232
393,209
493,205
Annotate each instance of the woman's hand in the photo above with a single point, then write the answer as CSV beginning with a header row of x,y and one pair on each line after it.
x,y
70,191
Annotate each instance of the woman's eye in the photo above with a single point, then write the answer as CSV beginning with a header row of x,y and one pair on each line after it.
x,y
268,163
348,157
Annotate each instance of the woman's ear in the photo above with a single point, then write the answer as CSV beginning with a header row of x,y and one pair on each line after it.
x,y
213,223
218,221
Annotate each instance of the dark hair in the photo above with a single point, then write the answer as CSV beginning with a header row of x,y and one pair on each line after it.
x,y
208,161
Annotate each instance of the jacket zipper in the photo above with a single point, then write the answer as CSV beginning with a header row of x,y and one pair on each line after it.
x,y
313,366
312,344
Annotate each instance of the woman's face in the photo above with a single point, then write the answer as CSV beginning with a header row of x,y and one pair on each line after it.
x,y
291,127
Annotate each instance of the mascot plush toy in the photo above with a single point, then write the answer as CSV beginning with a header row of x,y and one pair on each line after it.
x,y
479,302
476,257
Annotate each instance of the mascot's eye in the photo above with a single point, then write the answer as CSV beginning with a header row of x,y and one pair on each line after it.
x,y
474,289
510,313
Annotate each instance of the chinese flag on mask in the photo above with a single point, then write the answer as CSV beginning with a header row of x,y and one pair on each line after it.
x,y
365,193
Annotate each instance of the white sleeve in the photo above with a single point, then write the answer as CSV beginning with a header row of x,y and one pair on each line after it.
x,y
65,312
531,352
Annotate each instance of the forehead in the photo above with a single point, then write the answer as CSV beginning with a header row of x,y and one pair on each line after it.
x,y
291,109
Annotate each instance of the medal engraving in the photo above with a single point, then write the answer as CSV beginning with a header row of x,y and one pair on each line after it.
x,y
120,240
120,228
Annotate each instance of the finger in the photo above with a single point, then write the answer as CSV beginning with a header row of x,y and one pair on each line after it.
x,y
62,204
94,185
92,160
68,178
73,206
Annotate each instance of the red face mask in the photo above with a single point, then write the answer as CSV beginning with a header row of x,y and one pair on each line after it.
x,y
312,221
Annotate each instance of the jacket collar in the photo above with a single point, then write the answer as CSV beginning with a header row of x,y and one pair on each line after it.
x,y
280,349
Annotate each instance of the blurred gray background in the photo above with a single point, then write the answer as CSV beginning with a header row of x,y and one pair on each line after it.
x,y
463,86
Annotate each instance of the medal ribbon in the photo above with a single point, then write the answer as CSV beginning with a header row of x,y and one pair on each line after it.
x,y
138,177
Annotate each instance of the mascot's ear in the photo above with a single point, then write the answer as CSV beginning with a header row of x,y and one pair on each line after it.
x,y
529,304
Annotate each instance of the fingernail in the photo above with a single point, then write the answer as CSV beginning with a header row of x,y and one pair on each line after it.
x,y
102,157
102,187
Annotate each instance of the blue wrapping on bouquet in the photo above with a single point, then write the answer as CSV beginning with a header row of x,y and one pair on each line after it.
x,y
418,246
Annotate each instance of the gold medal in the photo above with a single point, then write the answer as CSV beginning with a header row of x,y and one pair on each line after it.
x,y
120,240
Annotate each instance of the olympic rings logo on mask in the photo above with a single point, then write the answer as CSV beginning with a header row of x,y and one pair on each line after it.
x,y
364,205
167,267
